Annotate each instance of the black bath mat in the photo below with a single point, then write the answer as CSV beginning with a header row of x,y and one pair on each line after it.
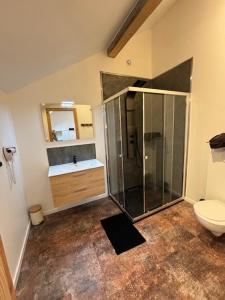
x,y
122,233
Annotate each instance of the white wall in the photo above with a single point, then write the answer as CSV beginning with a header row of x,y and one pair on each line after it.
x,y
13,211
84,116
197,28
81,83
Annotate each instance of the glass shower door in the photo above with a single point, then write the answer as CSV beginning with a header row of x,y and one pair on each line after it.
x,y
132,147
153,141
164,139
114,145
124,116
174,142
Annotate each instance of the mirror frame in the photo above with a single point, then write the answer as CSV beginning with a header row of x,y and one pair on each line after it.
x,y
47,127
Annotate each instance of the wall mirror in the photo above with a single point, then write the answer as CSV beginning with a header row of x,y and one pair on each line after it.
x,y
66,121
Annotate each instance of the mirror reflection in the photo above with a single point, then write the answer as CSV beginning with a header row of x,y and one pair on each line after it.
x,y
66,121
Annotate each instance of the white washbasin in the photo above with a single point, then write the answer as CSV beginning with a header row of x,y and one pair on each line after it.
x,y
71,167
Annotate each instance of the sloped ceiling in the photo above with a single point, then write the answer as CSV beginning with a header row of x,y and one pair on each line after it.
x,y
40,37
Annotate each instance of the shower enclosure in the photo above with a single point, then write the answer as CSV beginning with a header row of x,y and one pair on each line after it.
x,y
146,138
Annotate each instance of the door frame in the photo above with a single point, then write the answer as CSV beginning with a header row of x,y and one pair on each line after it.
x,y
6,282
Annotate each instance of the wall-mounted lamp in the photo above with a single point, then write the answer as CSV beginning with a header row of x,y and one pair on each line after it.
x,y
67,103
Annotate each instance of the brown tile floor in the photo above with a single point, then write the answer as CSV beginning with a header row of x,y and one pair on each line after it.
x,y
70,257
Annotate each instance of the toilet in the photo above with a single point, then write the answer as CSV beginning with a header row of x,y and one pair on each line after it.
x,y
211,215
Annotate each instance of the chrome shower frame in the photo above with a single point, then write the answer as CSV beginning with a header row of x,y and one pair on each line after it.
x,y
186,140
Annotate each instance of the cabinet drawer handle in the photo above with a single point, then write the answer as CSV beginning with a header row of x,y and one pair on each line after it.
x,y
79,190
78,175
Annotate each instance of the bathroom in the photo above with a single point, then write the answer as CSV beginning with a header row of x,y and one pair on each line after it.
x,y
180,48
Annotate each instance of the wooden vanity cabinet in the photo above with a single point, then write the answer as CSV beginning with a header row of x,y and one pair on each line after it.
x,y
77,186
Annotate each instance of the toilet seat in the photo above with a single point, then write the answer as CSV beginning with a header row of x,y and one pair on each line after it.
x,y
212,210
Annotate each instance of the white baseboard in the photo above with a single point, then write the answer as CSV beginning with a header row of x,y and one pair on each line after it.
x,y
18,268
57,209
189,200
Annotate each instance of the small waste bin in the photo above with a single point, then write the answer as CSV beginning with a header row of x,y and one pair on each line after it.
x,y
36,215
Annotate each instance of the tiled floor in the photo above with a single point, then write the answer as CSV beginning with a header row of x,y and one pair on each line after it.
x,y
70,257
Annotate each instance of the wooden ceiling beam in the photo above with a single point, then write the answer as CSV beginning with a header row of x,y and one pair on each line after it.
x,y
142,10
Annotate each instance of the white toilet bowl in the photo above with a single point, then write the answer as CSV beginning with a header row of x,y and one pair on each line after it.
x,y
211,214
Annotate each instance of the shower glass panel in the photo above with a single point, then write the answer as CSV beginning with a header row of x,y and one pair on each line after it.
x,y
153,139
164,138
168,147
114,150
132,147
178,146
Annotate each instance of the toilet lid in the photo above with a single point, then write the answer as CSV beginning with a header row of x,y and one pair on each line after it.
x,y
211,209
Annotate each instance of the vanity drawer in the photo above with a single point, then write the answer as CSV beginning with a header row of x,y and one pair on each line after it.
x,y
77,186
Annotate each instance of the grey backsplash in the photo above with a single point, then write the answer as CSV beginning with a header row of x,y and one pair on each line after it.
x,y
176,79
112,83
64,155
